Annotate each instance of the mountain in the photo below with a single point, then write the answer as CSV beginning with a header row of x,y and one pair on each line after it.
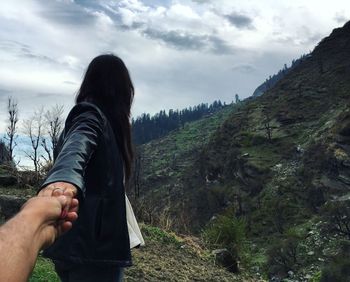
x,y
278,161
272,80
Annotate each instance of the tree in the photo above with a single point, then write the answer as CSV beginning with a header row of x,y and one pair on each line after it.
x,y
54,123
33,128
336,217
137,173
237,100
12,110
267,123
283,255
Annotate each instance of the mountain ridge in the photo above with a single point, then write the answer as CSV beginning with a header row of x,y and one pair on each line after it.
x,y
276,160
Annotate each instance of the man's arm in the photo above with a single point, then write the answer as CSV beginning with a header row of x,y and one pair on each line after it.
x,y
36,226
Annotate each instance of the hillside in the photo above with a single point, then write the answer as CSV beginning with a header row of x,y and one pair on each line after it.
x,y
163,162
166,257
277,161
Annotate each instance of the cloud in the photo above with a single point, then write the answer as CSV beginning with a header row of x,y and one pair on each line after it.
x,y
340,18
179,52
67,13
22,50
4,93
186,41
240,20
201,1
244,68
178,39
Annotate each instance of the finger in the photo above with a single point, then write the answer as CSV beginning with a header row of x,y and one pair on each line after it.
x,y
65,201
74,206
46,192
71,216
71,192
64,227
57,192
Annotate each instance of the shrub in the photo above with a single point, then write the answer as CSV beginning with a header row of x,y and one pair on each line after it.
x,y
336,217
283,256
338,270
226,232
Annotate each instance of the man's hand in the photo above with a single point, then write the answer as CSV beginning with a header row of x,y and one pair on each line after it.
x,y
53,216
36,226
57,189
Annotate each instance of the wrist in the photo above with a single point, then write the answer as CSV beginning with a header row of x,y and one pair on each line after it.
x,y
33,225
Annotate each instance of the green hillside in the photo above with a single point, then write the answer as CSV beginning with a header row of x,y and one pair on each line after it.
x,y
280,162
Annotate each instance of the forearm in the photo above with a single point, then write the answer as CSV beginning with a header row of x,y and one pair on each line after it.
x,y
20,242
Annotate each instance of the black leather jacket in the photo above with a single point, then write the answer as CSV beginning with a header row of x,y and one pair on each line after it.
x,y
88,156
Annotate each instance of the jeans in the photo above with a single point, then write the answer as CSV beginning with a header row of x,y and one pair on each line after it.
x,y
90,274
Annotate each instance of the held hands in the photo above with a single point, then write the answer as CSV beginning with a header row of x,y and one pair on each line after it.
x,y
62,212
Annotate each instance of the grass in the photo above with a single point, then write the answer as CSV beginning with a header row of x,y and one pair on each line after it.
x,y
158,235
166,257
44,271
180,143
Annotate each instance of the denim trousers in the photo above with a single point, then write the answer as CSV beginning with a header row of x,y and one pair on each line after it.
x,y
90,274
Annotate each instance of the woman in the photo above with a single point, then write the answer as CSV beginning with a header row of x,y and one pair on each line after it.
x,y
92,159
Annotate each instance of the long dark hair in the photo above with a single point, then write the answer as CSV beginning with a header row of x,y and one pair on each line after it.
x,y
107,83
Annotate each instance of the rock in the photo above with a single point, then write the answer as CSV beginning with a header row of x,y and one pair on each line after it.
x,y
300,149
245,155
344,179
279,166
10,205
311,253
226,259
7,180
290,273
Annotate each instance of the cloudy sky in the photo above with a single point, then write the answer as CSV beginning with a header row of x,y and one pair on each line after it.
x,y
179,52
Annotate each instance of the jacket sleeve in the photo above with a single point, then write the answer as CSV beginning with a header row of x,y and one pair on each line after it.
x,y
83,129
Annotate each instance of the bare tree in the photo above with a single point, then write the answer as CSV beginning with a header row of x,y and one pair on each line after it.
x,y
33,128
11,136
137,173
267,123
54,123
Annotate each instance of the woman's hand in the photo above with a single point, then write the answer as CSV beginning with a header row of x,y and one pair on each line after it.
x,y
59,188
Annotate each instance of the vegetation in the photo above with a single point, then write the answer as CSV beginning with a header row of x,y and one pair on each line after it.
x,y
338,270
146,128
276,160
226,232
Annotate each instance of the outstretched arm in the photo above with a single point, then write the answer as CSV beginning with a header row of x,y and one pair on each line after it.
x,y
36,226
83,129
